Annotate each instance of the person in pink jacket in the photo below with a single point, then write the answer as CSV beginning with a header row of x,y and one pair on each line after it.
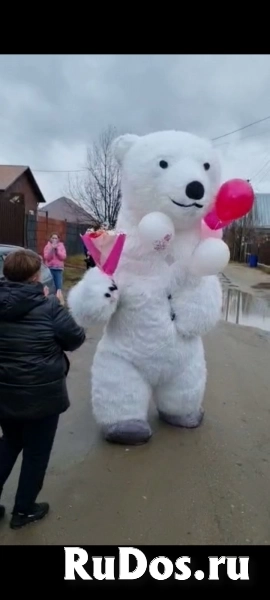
x,y
54,258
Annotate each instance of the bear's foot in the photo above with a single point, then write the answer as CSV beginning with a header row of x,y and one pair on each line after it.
x,y
130,433
189,421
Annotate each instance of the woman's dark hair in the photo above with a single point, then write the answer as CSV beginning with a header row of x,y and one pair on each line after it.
x,y
21,265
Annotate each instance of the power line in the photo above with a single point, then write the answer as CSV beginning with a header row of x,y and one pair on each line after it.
x,y
260,170
213,139
58,171
241,128
246,137
264,175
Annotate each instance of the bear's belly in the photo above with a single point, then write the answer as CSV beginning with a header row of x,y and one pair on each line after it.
x,y
145,333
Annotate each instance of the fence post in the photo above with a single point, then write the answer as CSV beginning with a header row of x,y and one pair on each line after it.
x,y
25,233
30,229
65,230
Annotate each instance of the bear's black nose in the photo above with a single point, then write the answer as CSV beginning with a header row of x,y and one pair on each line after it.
x,y
195,190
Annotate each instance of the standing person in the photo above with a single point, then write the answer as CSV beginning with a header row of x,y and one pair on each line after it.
x,y
89,261
35,332
54,257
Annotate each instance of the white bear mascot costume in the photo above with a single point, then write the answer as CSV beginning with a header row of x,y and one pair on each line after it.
x,y
164,295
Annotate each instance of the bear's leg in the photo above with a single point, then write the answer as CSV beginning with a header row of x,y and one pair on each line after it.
x,y
180,400
120,400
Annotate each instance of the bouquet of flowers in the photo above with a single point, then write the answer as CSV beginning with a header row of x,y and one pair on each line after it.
x,y
105,246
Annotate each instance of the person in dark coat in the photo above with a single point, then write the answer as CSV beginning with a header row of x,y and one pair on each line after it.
x,y
35,332
89,261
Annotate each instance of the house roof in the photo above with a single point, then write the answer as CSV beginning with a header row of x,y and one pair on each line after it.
x,y
9,175
261,211
66,209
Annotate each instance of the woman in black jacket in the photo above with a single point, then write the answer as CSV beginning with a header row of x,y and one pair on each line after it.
x,y
35,332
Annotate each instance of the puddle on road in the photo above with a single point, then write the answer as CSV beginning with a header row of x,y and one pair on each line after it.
x,y
245,309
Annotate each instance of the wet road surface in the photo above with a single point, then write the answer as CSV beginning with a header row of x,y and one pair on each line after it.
x,y
206,486
246,306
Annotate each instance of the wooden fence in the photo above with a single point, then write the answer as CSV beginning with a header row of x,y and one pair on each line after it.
x,y
244,243
39,229
45,228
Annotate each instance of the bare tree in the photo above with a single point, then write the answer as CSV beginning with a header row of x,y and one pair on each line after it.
x,y
98,192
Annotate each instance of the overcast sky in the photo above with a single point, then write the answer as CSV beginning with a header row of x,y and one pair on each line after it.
x,y
51,107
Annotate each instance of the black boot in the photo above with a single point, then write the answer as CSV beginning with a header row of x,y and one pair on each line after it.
x,y
2,511
21,519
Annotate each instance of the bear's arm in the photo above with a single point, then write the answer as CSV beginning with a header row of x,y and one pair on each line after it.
x,y
198,309
94,299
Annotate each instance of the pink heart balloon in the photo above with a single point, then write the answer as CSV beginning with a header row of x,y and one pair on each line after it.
x,y
234,200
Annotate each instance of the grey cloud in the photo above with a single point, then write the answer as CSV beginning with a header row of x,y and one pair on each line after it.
x,y
49,103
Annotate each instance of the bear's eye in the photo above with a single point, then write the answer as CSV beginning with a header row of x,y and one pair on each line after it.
x,y
163,164
206,166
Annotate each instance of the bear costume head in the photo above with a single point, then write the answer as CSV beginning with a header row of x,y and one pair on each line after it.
x,y
172,172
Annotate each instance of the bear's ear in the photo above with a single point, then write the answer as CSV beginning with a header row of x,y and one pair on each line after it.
x,y
122,144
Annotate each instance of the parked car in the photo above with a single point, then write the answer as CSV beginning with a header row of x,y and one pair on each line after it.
x,y
46,277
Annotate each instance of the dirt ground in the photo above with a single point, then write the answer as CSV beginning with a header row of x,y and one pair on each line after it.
x,y
206,486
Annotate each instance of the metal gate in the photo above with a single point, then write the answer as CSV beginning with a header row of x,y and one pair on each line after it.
x,y
12,218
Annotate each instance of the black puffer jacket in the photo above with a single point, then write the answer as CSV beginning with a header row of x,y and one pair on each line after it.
x,y
34,333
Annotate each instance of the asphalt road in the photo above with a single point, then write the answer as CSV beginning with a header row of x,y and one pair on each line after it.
x,y
206,486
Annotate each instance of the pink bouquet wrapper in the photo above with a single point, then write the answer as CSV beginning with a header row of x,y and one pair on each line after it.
x,y
106,249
